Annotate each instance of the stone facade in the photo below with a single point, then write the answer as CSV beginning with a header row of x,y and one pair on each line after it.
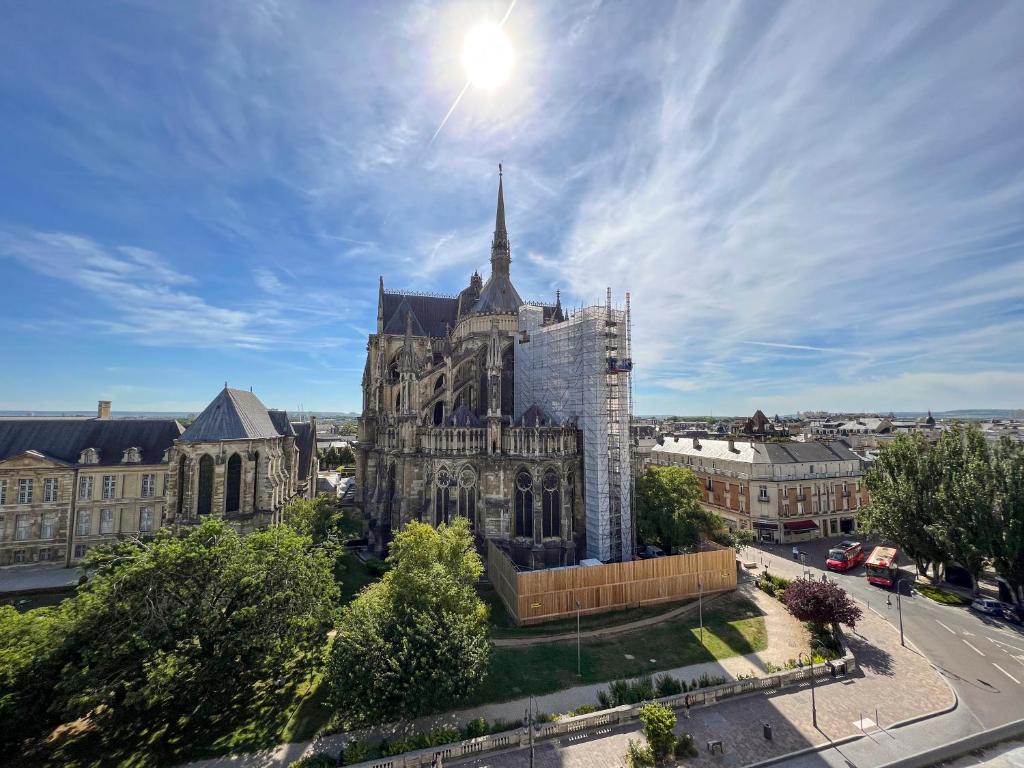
x,y
437,438
785,492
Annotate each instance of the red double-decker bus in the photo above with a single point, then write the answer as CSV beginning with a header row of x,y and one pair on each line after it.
x,y
844,556
881,566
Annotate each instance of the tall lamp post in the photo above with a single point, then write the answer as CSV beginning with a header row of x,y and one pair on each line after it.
x,y
529,726
810,663
700,607
579,669
899,607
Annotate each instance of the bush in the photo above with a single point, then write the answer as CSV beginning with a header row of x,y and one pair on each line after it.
x,y
685,747
639,755
319,760
771,668
356,752
604,700
583,709
630,691
498,726
828,645
709,681
474,729
376,566
666,685
659,722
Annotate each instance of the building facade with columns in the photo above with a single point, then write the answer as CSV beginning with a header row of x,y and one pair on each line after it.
x,y
440,435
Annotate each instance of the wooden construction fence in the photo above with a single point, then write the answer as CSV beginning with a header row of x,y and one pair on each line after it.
x,y
535,596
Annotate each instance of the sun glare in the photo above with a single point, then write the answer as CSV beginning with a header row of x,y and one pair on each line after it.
x,y
487,56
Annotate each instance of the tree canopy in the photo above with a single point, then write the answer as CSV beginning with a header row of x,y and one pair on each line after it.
x,y
669,510
415,641
821,602
178,623
1007,541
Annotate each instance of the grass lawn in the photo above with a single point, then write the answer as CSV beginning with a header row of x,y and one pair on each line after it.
x,y
503,627
940,595
733,626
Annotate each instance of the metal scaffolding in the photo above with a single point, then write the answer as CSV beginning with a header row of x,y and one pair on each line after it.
x,y
580,370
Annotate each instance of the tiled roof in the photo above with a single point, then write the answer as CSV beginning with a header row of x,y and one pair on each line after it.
x,y
234,414
305,441
801,453
280,421
65,439
463,417
534,416
432,314
498,296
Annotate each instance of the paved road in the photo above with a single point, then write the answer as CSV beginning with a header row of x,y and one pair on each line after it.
x,y
982,658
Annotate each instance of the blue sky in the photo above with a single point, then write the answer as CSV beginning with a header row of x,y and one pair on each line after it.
x,y
814,205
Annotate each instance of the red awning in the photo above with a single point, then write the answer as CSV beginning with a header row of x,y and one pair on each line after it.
x,y
799,525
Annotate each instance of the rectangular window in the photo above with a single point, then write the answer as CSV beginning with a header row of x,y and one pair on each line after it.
x,y
106,521
24,491
146,519
22,527
79,551
45,555
3,491
85,487
84,527
109,486
49,530
148,485
50,488
19,555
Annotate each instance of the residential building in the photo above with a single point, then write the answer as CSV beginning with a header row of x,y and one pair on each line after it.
x,y
784,491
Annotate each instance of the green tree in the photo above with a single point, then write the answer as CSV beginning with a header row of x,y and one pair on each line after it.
x,y
315,518
669,510
1007,544
966,497
183,626
346,457
904,505
659,722
415,641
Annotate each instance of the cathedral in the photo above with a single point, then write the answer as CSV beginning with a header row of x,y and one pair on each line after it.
x,y
444,432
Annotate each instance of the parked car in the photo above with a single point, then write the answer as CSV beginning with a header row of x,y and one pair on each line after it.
x,y
987,606
649,552
1013,614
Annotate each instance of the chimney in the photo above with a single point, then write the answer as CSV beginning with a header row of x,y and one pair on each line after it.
x,y
732,444
103,409
696,443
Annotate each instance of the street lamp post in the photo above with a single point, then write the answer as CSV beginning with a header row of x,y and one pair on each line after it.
x,y
899,608
810,663
579,669
529,726
700,607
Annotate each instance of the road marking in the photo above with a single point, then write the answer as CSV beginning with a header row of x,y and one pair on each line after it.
x,y
945,627
972,648
1008,645
1006,673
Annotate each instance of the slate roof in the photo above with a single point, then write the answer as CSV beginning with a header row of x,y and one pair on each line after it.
x,y
534,416
432,315
234,414
65,439
498,296
463,417
833,450
280,421
305,441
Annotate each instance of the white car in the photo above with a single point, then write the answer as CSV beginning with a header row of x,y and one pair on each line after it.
x,y
987,605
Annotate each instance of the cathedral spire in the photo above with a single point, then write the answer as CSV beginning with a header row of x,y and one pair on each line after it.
x,y
500,255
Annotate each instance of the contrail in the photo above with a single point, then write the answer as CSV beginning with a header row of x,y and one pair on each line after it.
x,y
466,86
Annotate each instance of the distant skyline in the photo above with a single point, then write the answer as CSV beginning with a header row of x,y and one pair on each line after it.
x,y
815,206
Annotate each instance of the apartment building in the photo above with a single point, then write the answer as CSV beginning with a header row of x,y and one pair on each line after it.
x,y
784,491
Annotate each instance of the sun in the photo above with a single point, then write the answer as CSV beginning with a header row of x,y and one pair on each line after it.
x,y
487,56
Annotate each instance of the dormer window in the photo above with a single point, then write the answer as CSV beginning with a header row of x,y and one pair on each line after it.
x,y
131,456
89,456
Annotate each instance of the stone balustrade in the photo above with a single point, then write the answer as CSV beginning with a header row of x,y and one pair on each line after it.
x,y
520,737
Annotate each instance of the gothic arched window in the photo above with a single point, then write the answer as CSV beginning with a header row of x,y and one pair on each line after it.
x,y
524,504
467,496
256,482
552,507
233,490
181,484
438,413
442,496
204,503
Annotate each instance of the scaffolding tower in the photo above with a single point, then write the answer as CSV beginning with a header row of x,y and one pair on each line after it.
x,y
579,371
